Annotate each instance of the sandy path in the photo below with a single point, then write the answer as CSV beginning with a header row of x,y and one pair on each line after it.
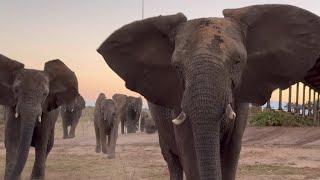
x,y
268,153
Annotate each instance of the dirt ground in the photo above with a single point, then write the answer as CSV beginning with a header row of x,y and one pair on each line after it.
x,y
267,153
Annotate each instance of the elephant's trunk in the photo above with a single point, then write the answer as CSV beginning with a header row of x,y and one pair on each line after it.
x,y
204,103
28,119
132,119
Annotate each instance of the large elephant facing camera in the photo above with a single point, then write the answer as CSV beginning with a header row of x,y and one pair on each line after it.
x,y
205,72
129,112
31,98
70,115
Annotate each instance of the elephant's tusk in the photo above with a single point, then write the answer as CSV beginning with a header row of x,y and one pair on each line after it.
x,y
71,110
16,115
39,118
230,113
180,119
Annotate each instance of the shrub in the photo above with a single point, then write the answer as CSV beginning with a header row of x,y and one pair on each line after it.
x,y
279,118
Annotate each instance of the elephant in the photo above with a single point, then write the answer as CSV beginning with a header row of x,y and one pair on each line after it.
x,y
106,125
32,98
130,113
70,115
203,73
147,123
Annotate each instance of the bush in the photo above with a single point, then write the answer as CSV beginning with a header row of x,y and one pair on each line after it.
x,y
279,118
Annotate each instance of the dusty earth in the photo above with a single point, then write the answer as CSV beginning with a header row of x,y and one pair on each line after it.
x,y
268,153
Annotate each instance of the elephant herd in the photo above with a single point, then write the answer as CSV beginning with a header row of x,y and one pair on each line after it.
x,y
33,100
198,77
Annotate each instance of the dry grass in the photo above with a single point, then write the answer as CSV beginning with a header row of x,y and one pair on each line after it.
x,y
138,156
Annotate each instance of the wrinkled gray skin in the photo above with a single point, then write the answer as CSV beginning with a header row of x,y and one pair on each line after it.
x,y
70,114
31,98
129,115
147,123
106,126
203,66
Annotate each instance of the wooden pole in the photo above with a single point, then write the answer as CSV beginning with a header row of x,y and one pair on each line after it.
x,y
309,102
314,114
303,100
289,100
318,108
297,99
280,100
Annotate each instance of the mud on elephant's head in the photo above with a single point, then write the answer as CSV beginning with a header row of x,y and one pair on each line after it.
x,y
32,92
201,67
77,105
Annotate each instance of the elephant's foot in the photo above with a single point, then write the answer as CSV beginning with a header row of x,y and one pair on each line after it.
x,y
37,176
98,149
104,150
111,156
65,137
72,136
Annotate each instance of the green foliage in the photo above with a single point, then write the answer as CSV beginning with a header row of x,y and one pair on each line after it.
x,y
279,118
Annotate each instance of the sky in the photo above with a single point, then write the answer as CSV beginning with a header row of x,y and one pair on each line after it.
x,y
36,31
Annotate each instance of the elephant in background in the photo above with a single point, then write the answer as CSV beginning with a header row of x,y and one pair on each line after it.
x,y
70,115
202,73
31,98
106,125
147,123
130,112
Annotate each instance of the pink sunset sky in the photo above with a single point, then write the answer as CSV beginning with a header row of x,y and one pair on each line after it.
x,y
35,31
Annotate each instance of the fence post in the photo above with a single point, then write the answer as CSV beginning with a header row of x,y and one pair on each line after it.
x,y
289,100
309,102
314,114
317,111
280,100
303,100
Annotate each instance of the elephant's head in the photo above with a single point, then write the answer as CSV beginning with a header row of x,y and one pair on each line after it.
x,y
77,105
108,110
31,92
200,67
134,106
149,124
99,100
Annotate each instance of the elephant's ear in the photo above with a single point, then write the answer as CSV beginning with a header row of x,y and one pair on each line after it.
x,y
283,45
81,103
63,86
8,70
140,53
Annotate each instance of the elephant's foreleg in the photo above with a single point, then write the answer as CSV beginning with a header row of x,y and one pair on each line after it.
x,y
103,140
12,135
173,162
113,141
122,126
65,128
74,124
41,144
230,150
162,117
97,132
50,142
